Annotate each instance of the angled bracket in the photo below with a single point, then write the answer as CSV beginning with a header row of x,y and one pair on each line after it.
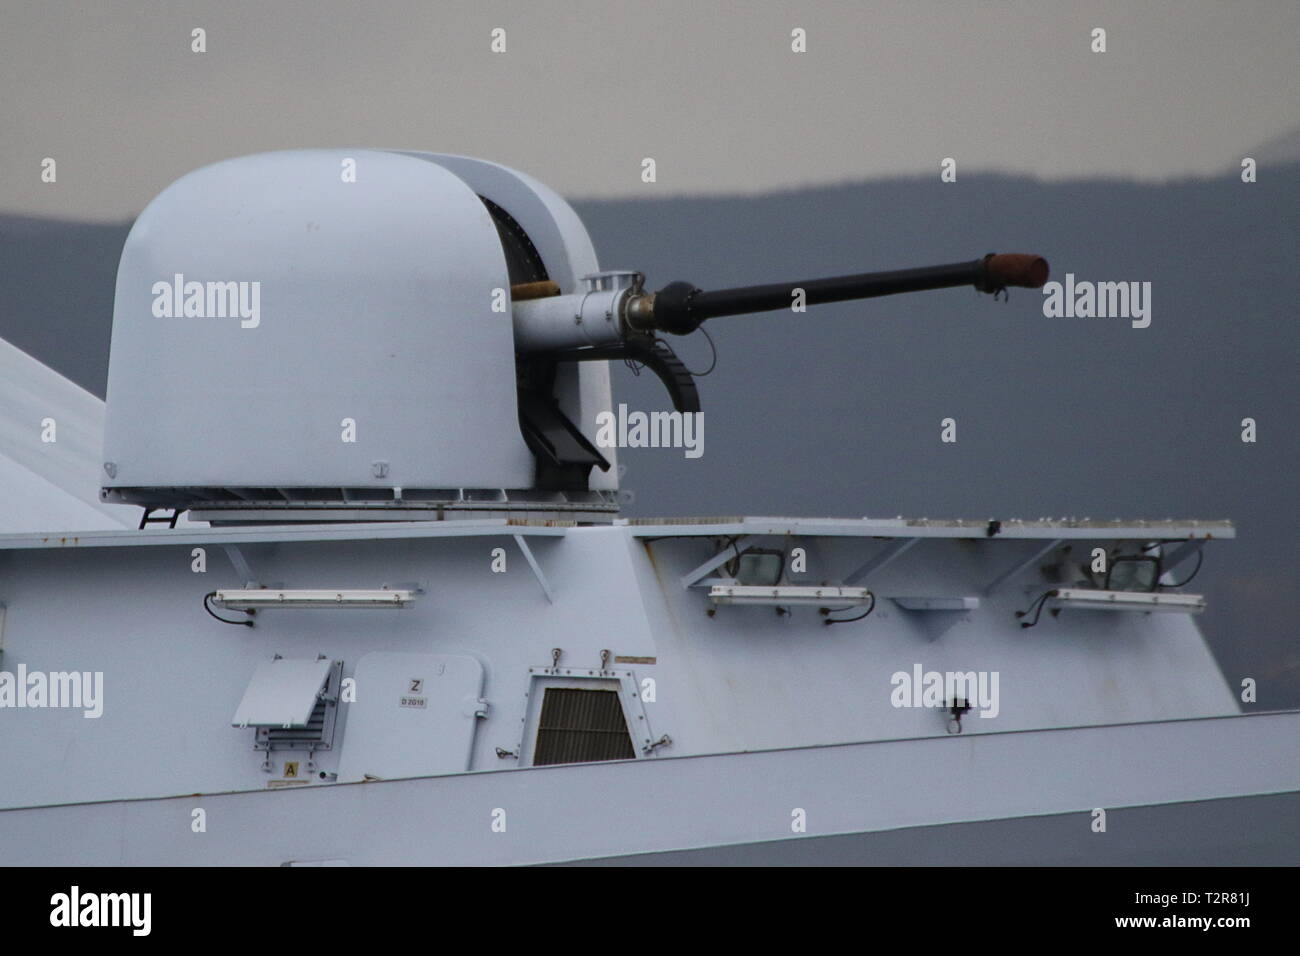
x,y
537,568
1180,554
886,556
1020,566
733,550
241,566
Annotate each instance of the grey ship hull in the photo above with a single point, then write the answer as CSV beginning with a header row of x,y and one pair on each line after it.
x,y
1241,831
1022,798
758,720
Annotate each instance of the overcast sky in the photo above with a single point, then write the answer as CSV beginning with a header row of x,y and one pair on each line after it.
x,y
585,91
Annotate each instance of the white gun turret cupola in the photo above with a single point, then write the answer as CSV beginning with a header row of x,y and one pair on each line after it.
x,y
317,330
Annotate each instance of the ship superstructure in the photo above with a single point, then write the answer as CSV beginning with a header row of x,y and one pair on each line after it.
x,y
405,623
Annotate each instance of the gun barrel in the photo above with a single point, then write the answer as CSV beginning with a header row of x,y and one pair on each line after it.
x,y
680,307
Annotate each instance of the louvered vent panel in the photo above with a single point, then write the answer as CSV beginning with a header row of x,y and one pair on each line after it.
x,y
313,733
578,726
318,732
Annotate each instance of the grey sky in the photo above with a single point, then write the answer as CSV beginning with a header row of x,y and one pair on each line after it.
x,y
586,90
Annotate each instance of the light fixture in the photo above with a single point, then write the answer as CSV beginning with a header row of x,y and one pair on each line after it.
x,y
789,594
758,567
258,599
1095,600
1133,573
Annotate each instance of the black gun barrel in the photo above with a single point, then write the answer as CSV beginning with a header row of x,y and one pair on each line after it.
x,y
680,307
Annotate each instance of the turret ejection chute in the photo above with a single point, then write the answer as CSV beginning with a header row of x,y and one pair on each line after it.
x,y
370,334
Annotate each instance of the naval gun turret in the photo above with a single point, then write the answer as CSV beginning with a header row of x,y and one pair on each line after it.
x,y
367,334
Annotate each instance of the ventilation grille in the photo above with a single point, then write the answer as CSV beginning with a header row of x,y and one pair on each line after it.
x,y
311,736
578,726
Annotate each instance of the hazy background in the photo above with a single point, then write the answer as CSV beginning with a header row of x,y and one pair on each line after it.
x,y
773,166
585,90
